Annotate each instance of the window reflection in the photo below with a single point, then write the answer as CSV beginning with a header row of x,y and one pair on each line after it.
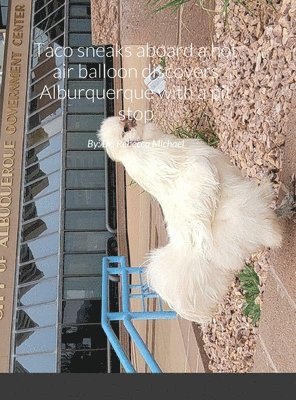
x,y
84,122
83,264
80,11
79,39
85,220
47,15
83,338
86,159
86,241
84,361
38,248
37,363
43,187
43,150
80,140
85,199
83,86
80,25
80,179
82,288
40,4
44,268
43,167
52,31
37,316
40,227
46,69
42,134
39,341
81,311
84,105
44,116
41,292
42,54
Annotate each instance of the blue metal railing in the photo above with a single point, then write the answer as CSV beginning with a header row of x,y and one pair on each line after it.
x,y
112,266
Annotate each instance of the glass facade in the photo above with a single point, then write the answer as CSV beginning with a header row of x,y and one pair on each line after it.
x,y
68,216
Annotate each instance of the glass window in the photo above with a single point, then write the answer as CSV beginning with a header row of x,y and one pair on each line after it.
x,y
50,32
37,316
3,14
83,264
38,248
81,140
37,363
42,54
85,179
86,159
85,220
81,311
49,14
80,25
91,72
42,134
88,54
41,188
79,39
41,226
82,288
44,150
40,4
81,87
44,268
85,199
49,95
85,337
46,68
84,361
84,122
84,105
38,341
43,167
39,89
44,291
80,11
79,1
46,115
86,241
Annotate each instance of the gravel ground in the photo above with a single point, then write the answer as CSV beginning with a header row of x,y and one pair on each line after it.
x,y
244,96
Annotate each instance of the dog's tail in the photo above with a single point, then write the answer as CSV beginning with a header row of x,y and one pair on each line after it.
x,y
190,285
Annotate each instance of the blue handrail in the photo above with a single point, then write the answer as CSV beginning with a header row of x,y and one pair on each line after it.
x,y
116,265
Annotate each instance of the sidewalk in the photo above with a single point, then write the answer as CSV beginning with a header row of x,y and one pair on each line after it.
x,y
173,343
133,22
276,344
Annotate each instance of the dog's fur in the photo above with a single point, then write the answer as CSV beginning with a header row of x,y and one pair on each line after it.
x,y
215,218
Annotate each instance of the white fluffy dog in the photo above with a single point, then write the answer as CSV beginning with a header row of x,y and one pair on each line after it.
x,y
215,218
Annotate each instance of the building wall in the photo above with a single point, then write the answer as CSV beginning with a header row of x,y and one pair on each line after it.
x,y
11,148
65,226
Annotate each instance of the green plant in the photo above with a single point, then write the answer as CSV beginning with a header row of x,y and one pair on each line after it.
x,y
175,5
249,281
207,135
159,5
162,64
